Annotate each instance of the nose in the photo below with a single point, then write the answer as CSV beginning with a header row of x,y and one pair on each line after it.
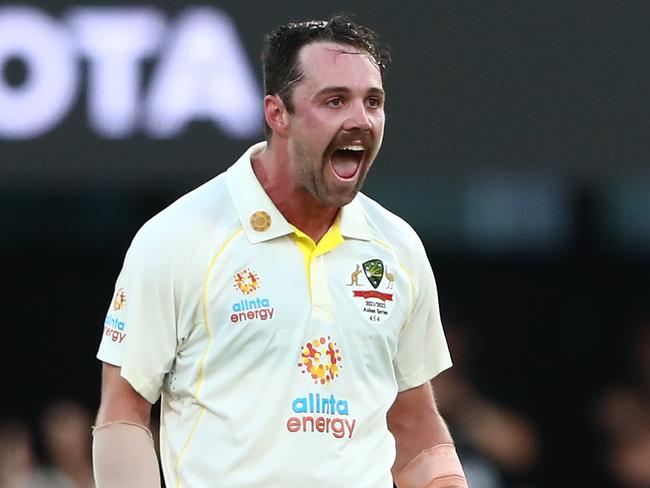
x,y
357,117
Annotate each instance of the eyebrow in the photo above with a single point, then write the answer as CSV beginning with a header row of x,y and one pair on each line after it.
x,y
343,89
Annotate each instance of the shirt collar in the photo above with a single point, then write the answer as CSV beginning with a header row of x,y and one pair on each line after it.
x,y
260,218
354,222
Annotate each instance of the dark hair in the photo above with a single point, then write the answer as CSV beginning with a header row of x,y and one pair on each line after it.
x,y
281,46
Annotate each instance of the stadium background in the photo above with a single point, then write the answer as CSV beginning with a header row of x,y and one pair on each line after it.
x,y
517,144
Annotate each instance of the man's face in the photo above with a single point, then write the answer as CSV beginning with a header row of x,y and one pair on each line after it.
x,y
337,125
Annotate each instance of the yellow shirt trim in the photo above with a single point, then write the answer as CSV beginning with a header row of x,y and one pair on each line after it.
x,y
310,249
203,356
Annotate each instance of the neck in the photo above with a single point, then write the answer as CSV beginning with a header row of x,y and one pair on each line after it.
x,y
297,205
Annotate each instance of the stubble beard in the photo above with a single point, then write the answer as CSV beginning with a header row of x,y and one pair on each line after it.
x,y
311,178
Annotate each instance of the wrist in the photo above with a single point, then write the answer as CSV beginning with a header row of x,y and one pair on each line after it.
x,y
436,467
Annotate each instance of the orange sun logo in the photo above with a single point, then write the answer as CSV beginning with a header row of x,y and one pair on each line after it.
x,y
120,299
321,358
247,281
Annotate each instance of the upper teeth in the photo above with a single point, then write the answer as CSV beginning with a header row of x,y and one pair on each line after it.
x,y
352,147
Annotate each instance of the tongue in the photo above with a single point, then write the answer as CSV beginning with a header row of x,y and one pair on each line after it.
x,y
344,164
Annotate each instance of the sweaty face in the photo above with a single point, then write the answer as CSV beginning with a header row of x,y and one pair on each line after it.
x,y
337,125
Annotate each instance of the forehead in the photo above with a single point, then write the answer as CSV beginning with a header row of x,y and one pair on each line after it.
x,y
325,63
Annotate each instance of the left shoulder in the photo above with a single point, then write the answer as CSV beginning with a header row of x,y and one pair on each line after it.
x,y
390,227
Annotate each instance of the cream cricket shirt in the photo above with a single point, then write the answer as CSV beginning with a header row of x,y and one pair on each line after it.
x,y
276,359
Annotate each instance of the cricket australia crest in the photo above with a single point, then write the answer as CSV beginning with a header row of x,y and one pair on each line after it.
x,y
374,271
373,303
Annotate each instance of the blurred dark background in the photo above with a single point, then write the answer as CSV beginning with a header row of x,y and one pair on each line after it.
x,y
517,144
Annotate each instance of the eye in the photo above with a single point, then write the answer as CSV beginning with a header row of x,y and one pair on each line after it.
x,y
374,102
335,102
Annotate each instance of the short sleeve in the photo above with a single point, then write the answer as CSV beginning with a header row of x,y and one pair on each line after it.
x,y
140,325
422,351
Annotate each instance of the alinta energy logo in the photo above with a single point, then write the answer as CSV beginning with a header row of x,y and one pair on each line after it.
x,y
114,328
320,358
248,282
316,411
375,305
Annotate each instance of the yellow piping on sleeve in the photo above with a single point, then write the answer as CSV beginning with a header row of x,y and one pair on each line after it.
x,y
203,356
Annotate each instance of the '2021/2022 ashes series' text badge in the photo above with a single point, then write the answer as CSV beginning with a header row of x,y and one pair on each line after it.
x,y
375,303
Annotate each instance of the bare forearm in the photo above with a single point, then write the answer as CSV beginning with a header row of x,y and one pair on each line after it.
x,y
412,436
124,455
416,424
426,456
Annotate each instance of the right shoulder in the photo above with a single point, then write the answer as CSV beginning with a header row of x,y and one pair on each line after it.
x,y
202,215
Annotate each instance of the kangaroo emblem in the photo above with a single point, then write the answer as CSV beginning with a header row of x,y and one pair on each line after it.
x,y
354,277
390,277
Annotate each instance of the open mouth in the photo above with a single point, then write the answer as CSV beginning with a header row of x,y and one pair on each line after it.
x,y
346,161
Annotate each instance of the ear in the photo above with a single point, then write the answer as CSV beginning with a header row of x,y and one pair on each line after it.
x,y
276,114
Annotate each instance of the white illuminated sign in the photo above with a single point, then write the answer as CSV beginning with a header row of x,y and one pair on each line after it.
x,y
200,72
46,95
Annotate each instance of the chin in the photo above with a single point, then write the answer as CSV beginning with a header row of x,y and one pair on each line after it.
x,y
341,200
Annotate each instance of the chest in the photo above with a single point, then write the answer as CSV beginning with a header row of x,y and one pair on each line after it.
x,y
274,297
